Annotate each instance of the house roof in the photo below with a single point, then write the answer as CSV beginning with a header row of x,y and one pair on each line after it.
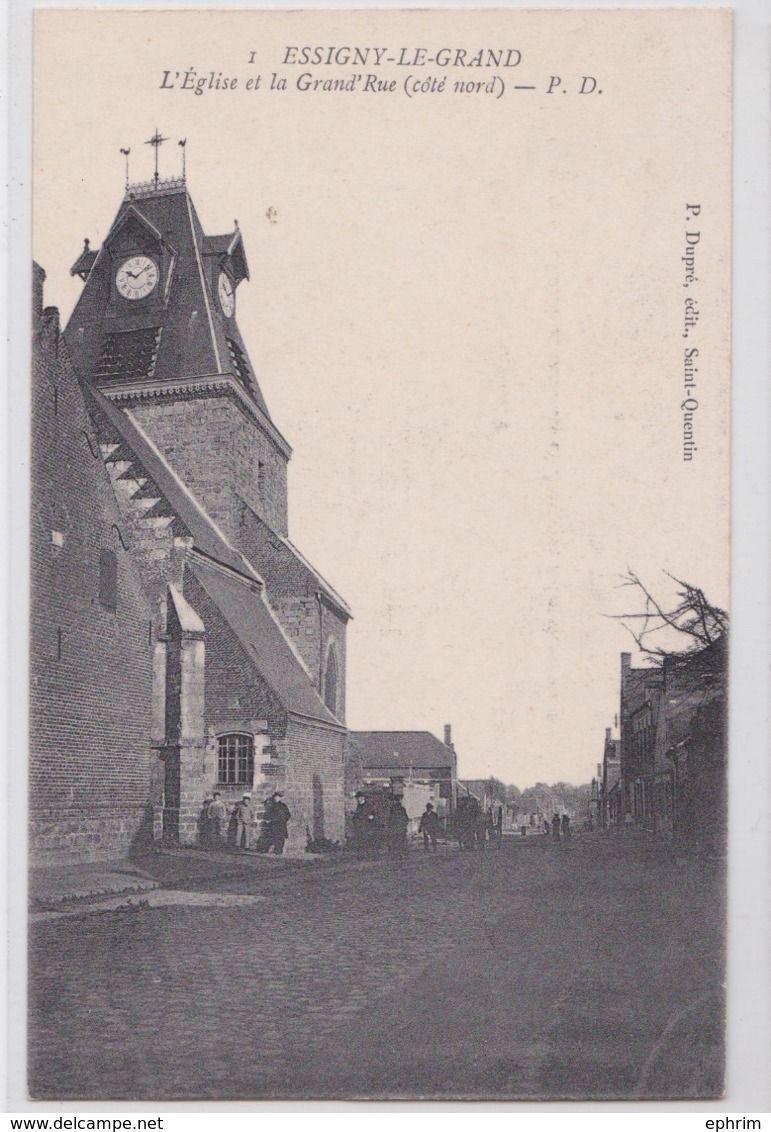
x,y
401,750
475,786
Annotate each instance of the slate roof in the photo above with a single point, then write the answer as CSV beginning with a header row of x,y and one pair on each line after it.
x,y
284,567
247,613
85,261
237,590
401,750
195,333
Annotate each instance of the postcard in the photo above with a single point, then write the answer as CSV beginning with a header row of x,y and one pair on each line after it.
x,y
379,554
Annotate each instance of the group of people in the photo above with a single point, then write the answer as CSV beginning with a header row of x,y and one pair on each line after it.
x,y
370,828
375,825
559,825
221,828
476,827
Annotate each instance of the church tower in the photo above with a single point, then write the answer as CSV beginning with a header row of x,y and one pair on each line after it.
x,y
241,685
156,331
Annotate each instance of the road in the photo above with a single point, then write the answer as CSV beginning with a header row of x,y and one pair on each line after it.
x,y
591,969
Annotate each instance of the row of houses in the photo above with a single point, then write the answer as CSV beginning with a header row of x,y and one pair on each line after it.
x,y
666,769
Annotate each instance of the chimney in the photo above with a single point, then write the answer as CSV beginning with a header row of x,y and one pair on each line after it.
x,y
607,735
448,734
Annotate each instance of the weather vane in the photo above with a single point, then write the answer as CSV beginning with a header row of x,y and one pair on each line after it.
x,y
126,153
183,143
155,141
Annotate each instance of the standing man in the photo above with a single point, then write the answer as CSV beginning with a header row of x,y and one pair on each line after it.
x,y
566,827
429,827
244,822
555,827
365,826
398,821
216,815
279,820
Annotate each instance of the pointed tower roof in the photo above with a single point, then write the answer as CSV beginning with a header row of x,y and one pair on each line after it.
x,y
174,329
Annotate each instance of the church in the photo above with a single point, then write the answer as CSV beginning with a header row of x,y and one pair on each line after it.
x,y
180,642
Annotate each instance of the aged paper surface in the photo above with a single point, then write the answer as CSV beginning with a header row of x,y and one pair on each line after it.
x,y
480,273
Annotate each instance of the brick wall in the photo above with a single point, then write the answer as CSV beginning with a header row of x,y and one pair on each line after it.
x,y
313,787
221,454
91,763
312,756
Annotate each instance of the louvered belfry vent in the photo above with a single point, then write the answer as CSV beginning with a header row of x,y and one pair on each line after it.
x,y
130,353
239,362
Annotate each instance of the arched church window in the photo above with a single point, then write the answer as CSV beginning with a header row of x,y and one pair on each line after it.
x,y
331,677
235,765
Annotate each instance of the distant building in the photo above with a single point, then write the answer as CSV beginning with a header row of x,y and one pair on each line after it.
x,y
609,785
672,765
384,757
640,695
690,790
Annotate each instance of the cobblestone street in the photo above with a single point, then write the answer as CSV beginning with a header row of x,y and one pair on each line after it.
x,y
588,969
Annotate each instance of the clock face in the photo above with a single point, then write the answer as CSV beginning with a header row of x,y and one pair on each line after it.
x,y
227,295
137,277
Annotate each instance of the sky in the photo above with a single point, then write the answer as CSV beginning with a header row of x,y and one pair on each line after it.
x,y
466,316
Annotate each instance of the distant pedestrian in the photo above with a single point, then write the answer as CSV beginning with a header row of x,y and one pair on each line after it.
x,y
217,817
365,827
398,823
555,827
546,826
465,821
482,828
566,827
499,826
244,822
279,821
203,822
429,827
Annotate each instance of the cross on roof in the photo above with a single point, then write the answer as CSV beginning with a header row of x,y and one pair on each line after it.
x,y
155,141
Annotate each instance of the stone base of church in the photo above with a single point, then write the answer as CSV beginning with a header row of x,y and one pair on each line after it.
x,y
73,834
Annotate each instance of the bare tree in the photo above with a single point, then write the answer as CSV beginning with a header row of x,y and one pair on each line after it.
x,y
692,616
